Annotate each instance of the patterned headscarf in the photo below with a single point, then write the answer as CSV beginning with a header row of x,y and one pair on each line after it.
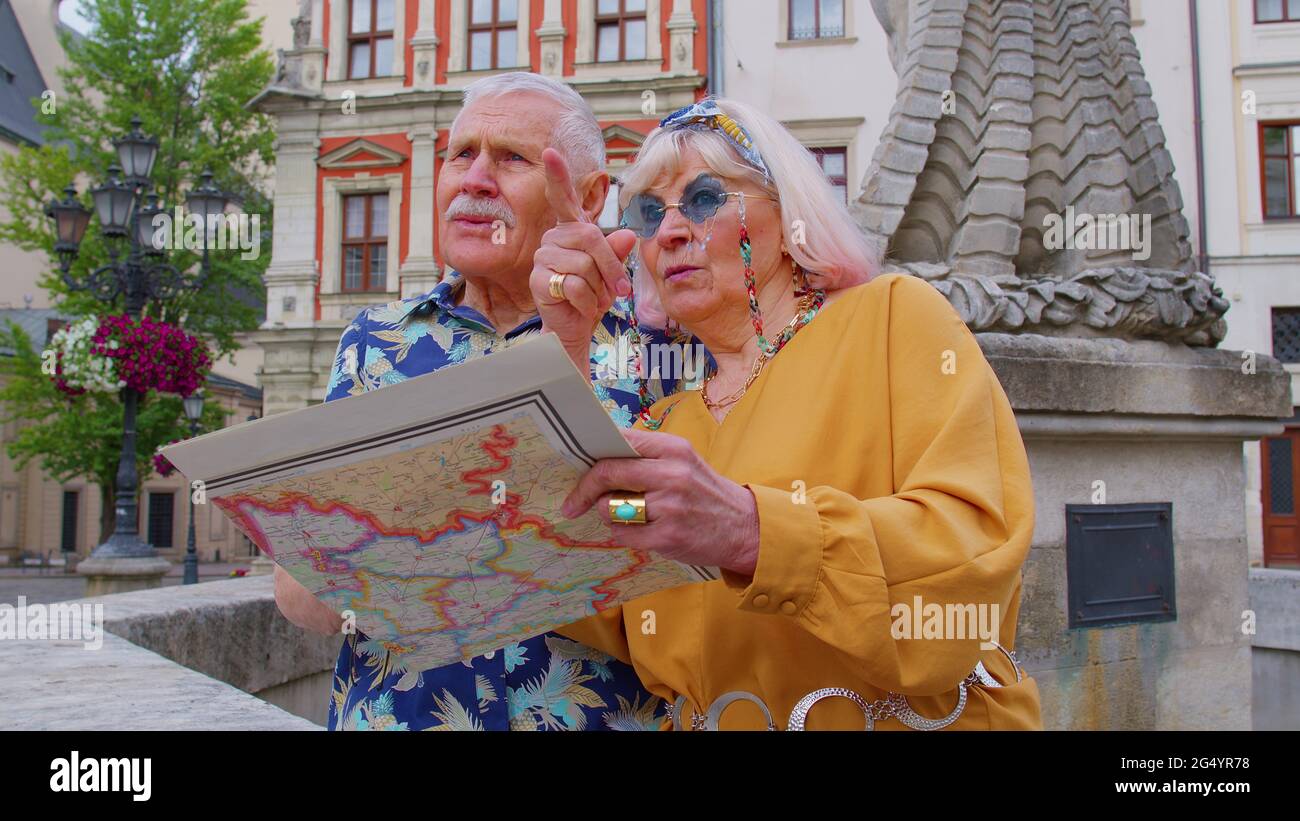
x,y
705,116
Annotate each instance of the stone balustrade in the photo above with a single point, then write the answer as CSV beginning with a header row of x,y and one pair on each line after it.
x,y
185,657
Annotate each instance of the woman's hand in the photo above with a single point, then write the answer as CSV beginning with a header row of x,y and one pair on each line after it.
x,y
300,607
578,247
693,514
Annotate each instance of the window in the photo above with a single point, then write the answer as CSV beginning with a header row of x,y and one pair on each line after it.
x,y
816,19
620,30
52,327
493,34
370,39
365,242
1286,334
1279,168
162,507
835,165
1277,11
70,498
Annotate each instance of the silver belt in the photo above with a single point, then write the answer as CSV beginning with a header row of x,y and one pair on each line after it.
x,y
893,705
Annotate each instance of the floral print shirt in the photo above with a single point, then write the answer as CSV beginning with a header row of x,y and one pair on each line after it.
x,y
548,682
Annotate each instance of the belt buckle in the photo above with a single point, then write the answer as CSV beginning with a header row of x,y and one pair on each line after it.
x,y
709,721
894,705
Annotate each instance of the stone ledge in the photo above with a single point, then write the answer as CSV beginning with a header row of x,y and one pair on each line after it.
x,y
1143,428
1110,376
1275,598
60,685
173,658
230,630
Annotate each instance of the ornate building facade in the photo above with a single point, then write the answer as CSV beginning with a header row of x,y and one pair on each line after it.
x,y
363,103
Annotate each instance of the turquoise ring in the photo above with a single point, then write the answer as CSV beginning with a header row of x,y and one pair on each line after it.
x,y
627,509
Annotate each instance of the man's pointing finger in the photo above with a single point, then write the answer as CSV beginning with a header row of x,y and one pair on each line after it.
x,y
560,192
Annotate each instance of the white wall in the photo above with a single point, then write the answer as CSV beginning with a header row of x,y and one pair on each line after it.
x,y
803,82
1256,263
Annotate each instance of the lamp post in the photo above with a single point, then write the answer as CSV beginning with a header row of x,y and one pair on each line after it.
x,y
193,412
137,271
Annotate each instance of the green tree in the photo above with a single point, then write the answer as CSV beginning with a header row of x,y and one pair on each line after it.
x,y
186,68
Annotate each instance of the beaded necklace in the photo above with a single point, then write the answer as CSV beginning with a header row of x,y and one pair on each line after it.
x,y
810,302
809,305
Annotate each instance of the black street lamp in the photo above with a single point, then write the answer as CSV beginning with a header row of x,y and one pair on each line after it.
x,y
114,203
136,153
206,199
205,202
193,412
144,227
70,220
126,208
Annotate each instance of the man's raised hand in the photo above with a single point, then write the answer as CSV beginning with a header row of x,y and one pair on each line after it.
x,y
593,265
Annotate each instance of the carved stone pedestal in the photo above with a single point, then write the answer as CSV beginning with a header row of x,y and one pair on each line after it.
x,y
1118,422
122,575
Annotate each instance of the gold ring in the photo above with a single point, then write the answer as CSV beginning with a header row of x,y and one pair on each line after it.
x,y
557,285
628,509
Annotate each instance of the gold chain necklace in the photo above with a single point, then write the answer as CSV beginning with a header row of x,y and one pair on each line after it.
x,y
801,318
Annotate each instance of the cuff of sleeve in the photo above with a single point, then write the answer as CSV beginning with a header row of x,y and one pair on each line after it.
x,y
789,555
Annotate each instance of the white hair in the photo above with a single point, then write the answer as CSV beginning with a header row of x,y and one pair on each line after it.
x,y
577,135
818,231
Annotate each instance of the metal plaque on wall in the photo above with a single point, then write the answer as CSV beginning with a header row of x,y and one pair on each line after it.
x,y
1120,563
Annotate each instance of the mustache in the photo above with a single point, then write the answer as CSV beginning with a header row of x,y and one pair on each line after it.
x,y
466,206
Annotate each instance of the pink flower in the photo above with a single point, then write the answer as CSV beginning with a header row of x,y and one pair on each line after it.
x,y
152,355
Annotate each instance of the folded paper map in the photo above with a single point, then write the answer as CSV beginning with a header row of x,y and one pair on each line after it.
x,y
430,508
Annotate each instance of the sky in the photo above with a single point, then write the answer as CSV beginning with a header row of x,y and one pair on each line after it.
x,y
69,16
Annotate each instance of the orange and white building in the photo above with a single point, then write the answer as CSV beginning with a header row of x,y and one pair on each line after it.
x,y
363,103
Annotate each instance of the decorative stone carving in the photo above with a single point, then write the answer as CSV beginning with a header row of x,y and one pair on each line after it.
x,y
1124,301
1011,116
288,70
302,25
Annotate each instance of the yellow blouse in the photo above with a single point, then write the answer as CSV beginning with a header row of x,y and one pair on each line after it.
x,y
886,465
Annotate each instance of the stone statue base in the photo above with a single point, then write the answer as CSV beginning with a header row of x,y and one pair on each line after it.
x,y
1151,422
121,575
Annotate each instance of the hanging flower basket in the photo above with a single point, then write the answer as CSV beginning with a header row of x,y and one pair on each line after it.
x,y
78,369
152,355
105,355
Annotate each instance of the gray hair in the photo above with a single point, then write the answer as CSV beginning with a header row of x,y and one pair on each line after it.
x,y
577,134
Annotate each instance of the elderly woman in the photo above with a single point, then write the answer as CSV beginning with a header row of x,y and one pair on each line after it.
x,y
850,463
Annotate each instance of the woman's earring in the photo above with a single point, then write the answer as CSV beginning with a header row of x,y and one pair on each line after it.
x,y
747,257
800,277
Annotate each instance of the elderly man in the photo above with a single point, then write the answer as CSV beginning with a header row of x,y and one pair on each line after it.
x,y
503,186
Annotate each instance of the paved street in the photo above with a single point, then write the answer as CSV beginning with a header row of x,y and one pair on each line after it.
x,y
45,585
